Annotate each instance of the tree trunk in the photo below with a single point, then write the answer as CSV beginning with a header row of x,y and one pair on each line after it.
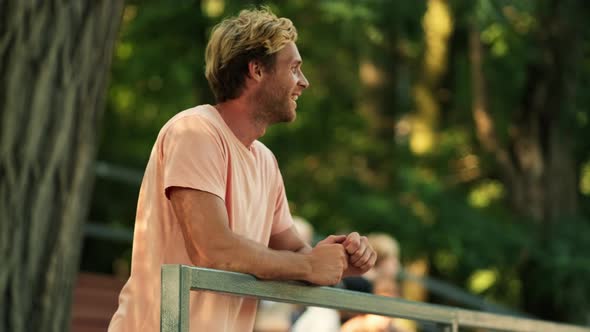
x,y
545,187
55,59
537,164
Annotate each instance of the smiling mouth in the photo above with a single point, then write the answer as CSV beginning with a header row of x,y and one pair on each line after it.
x,y
294,97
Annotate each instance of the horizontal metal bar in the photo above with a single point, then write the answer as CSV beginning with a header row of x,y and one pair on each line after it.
x,y
300,293
458,295
296,292
509,323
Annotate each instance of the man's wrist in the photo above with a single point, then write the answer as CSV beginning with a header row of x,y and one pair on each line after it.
x,y
305,249
307,266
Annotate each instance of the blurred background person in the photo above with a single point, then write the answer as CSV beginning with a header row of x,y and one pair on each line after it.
x,y
388,257
383,280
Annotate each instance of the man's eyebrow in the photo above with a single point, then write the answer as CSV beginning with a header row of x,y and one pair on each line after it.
x,y
297,62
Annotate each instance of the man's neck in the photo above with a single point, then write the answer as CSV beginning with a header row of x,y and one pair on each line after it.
x,y
238,115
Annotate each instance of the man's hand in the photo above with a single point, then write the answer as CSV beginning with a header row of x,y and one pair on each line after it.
x,y
361,256
328,262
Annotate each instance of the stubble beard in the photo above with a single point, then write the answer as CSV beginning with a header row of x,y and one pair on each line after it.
x,y
275,106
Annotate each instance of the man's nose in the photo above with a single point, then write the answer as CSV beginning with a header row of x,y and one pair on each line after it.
x,y
303,81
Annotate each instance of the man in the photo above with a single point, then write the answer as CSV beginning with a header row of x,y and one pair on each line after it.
x,y
213,196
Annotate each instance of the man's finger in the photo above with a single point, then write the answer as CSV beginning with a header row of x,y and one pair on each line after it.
x,y
352,243
370,263
336,238
332,239
364,259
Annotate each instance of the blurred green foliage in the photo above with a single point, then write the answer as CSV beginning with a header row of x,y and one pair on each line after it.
x,y
353,160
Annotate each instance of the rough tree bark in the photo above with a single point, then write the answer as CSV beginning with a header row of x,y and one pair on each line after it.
x,y
55,59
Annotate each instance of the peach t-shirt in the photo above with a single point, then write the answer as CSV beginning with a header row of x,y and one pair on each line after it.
x,y
196,149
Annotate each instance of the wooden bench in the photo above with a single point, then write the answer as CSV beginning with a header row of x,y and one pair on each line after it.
x,y
95,300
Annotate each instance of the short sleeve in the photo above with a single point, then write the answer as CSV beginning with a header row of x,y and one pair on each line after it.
x,y
193,157
282,217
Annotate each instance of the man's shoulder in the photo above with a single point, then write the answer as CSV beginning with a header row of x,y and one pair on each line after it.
x,y
196,120
266,155
263,149
200,114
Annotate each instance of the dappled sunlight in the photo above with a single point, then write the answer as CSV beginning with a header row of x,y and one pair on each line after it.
x,y
369,74
457,137
482,280
129,13
486,193
124,51
124,99
423,125
422,138
414,290
585,179
213,8
427,104
374,34
438,25
446,261
422,176
495,36
582,118
467,168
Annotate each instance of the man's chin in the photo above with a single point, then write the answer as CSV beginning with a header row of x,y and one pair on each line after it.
x,y
291,117
286,117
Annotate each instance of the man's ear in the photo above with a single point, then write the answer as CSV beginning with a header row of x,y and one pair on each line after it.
x,y
255,70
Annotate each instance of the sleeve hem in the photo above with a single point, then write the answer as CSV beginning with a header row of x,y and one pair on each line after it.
x,y
214,192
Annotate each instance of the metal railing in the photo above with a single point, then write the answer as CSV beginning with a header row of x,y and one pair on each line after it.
x,y
179,280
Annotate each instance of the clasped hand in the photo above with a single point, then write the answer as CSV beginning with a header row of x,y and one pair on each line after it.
x,y
360,255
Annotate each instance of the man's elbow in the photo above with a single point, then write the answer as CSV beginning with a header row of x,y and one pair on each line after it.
x,y
213,258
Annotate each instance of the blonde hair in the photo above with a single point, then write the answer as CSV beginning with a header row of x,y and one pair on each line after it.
x,y
255,34
385,246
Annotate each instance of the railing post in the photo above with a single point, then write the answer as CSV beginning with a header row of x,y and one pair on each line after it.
x,y
175,299
453,327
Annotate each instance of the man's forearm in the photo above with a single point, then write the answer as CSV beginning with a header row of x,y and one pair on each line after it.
x,y
211,243
239,254
322,265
